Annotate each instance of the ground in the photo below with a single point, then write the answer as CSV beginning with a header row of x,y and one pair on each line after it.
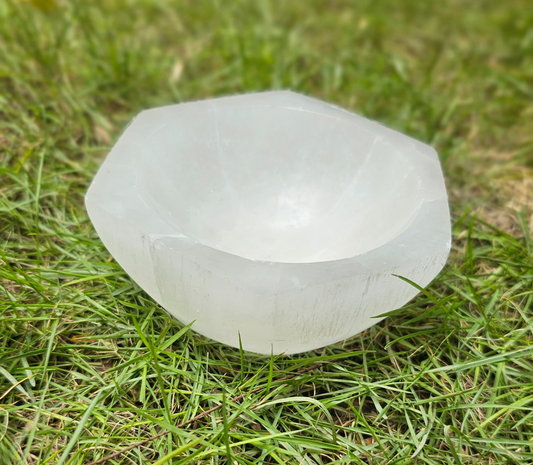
x,y
90,365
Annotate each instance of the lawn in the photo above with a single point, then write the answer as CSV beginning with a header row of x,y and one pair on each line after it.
x,y
91,366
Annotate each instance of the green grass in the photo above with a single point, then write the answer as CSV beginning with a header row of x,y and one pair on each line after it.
x,y
90,365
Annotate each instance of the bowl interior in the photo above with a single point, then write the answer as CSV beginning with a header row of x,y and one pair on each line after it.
x,y
277,184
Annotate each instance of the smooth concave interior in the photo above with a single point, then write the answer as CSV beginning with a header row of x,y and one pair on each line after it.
x,y
277,184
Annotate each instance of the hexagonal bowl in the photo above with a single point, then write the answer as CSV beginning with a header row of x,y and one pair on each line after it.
x,y
272,217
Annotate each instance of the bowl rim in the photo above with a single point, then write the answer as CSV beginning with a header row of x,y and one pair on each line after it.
x,y
111,184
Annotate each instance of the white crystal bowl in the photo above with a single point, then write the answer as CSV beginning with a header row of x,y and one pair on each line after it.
x,y
272,216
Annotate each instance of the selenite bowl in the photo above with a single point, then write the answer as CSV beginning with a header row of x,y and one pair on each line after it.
x,y
274,216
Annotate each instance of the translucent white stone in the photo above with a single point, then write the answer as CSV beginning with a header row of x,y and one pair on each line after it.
x,y
273,215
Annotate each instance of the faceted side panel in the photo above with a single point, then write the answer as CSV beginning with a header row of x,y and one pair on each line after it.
x,y
320,315
127,247
122,219
220,308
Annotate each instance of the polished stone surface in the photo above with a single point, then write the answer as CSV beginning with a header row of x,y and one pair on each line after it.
x,y
273,215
